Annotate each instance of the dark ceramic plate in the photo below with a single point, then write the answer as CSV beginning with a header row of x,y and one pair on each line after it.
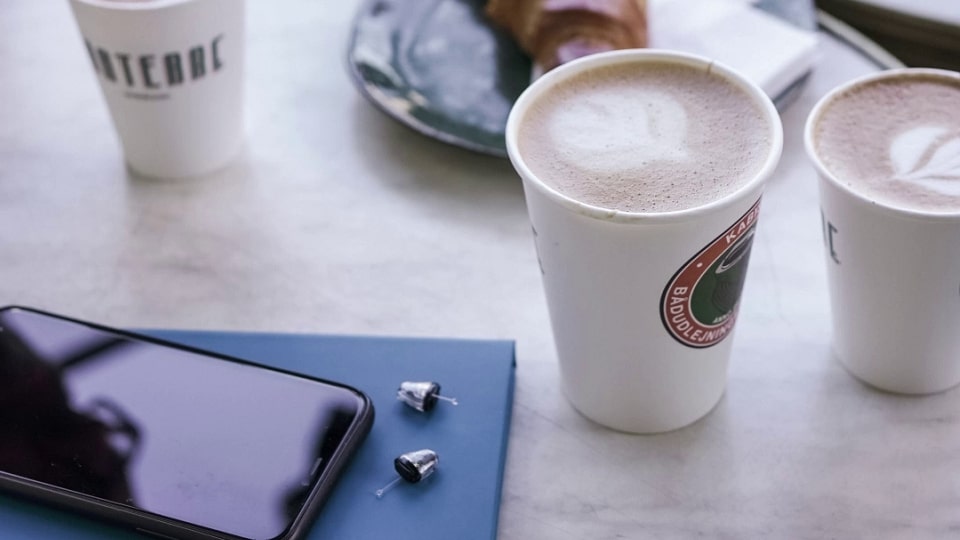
x,y
439,67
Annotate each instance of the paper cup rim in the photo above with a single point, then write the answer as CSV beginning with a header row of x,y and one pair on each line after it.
x,y
145,5
570,69
825,173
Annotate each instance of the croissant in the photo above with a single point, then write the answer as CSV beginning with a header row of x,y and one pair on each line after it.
x,y
554,32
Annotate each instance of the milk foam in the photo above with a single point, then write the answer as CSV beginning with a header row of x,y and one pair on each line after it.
x,y
649,137
897,141
657,130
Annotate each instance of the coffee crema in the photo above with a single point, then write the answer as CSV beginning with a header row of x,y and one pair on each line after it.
x,y
650,136
896,140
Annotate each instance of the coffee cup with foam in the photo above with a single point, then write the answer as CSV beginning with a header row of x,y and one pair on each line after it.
x,y
643,172
886,148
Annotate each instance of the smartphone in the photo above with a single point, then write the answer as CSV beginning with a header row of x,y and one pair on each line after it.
x,y
167,439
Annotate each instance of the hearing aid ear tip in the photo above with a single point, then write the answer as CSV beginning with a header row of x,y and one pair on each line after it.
x,y
422,396
412,467
415,466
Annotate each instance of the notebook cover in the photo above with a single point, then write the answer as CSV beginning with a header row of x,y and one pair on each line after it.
x,y
460,501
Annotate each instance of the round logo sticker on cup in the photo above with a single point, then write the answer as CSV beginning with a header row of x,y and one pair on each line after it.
x,y
699,304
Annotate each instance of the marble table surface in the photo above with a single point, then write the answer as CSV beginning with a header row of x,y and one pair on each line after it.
x,y
336,219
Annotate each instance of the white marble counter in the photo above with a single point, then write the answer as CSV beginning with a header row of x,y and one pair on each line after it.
x,y
338,220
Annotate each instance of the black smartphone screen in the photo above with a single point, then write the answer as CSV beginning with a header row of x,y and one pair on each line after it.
x,y
206,440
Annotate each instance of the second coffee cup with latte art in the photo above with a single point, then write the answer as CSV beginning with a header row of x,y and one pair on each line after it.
x,y
895,139
887,150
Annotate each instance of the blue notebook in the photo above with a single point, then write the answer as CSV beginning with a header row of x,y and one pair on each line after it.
x,y
460,501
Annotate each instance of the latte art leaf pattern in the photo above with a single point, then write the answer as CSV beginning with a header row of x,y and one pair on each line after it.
x,y
645,136
928,156
654,132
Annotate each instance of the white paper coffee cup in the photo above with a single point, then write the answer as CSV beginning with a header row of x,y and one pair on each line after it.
x,y
631,356
893,275
172,75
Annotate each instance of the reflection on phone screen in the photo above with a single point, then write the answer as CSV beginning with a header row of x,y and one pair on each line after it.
x,y
213,442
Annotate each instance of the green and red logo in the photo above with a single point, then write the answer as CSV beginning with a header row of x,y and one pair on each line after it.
x,y
699,304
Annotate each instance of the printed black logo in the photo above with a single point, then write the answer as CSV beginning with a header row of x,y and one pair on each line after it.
x,y
150,76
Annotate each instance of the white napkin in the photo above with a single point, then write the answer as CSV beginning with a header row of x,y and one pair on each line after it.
x,y
769,51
